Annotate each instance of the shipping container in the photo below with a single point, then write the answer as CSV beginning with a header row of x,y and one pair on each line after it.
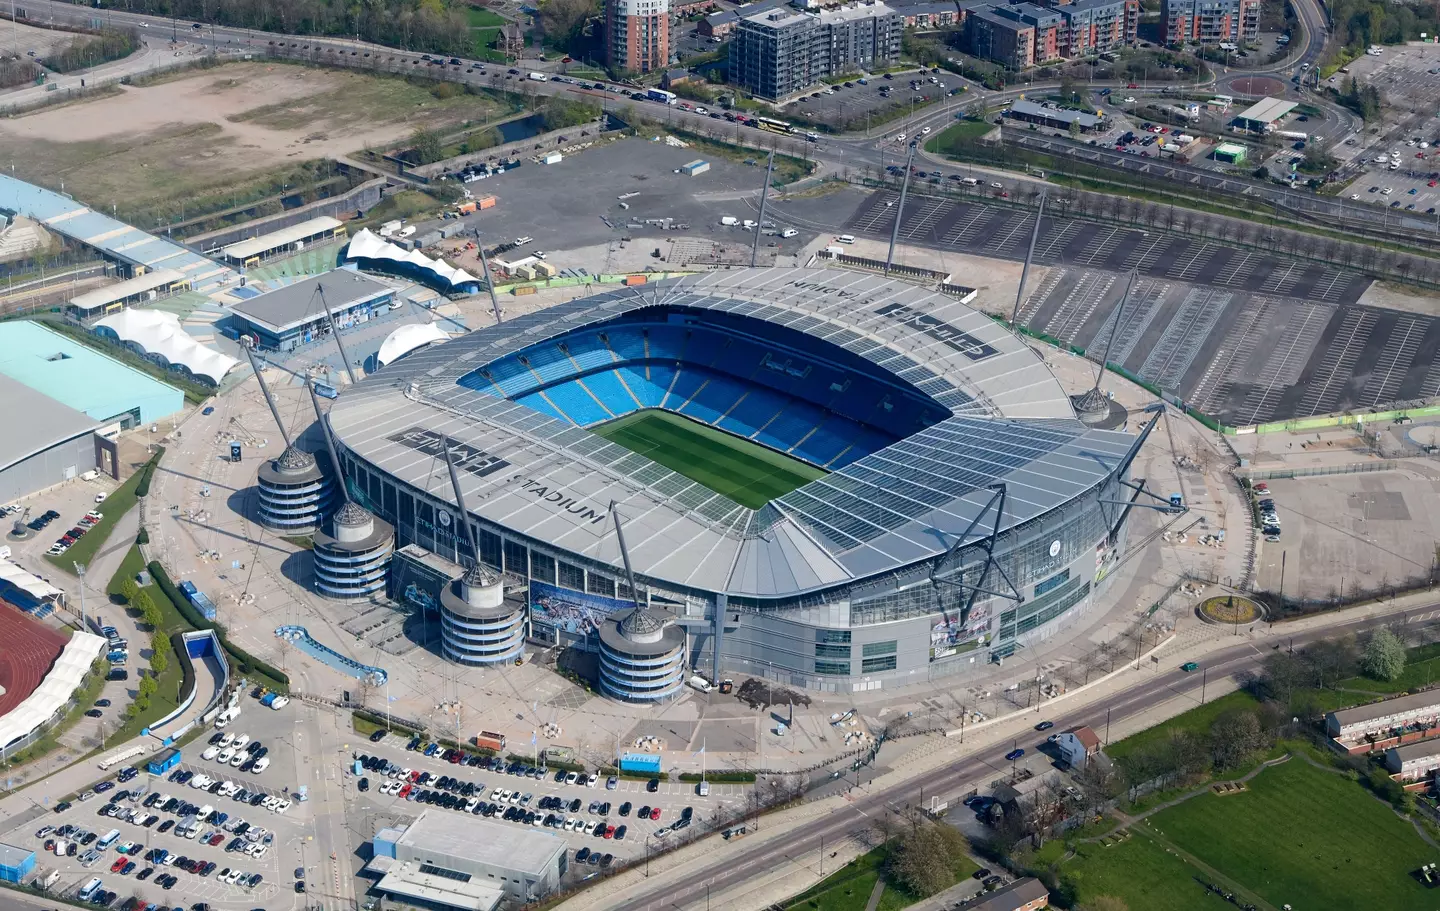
x,y
490,740
632,280
467,207
486,202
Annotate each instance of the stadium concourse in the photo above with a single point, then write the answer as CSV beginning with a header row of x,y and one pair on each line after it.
x,y
830,479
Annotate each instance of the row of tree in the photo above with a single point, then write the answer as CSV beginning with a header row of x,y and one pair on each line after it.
x,y
93,50
160,647
415,25
1361,23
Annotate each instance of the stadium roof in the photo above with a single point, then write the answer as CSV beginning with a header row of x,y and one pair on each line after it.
x,y
408,338
297,304
1268,110
265,243
115,239
37,421
1011,422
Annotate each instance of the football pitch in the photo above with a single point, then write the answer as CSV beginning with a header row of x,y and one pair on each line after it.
x,y
745,471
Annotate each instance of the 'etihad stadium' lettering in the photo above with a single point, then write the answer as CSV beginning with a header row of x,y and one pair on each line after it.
x,y
467,458
543,493
941,331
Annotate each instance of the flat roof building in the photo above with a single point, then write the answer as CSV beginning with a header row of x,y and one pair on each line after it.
x,y
140,289
779,52
1028,894
1413,761
288,317
455,861
16,864
1418,709
82,378
286,240
45,444
1264,115
1230,153
1051,116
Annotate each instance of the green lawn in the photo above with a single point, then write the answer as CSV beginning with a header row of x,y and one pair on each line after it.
x,y
1198,721
115,506
746,472
165,699
1139,871
1305,837
1422,668
483,18
849,888
960,131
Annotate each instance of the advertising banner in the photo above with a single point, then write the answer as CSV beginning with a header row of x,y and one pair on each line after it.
x,y
569,611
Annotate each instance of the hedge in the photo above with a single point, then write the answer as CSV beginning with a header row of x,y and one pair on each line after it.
x,y
244,659
143,488
734,775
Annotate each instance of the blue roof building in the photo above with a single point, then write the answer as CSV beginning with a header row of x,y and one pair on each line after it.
x,y
16,864
83,378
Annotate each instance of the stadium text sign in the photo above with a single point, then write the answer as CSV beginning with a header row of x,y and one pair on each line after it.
x,y
938,329
467,458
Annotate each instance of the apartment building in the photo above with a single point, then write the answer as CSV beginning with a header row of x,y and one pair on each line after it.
x,y
1210,21
1007,41
1097,26
637,34
777,53
1024,34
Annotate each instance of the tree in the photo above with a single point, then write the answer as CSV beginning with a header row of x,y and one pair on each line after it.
x,y
923,861
1384,657
128,590
427,146
1234,737
563,21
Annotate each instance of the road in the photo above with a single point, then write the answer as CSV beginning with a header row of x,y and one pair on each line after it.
x,y
970,772
855,151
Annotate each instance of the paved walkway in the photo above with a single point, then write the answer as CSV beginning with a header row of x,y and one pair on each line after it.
x,y
875,893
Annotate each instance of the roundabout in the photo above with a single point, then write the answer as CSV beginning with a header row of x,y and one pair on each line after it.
x,y
1230,609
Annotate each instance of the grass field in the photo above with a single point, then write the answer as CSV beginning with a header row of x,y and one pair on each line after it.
x,y
746,472
1338,848
961,131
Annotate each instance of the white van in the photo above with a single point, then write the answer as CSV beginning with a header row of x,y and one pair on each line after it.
x,y
88,891
538,77
846,238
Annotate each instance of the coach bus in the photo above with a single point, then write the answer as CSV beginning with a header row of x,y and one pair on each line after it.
x,y
774,126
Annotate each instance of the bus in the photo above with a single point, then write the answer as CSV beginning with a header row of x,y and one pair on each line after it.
x,y
773,125
661,96
108,840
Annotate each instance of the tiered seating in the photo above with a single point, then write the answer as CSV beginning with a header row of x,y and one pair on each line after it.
x,y
540,403
577,405
606,387
753,412
717,396
588,351
790,426
549,363
687,383
648,391
628,344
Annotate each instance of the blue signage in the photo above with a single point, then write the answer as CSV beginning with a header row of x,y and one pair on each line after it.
x,y
640,762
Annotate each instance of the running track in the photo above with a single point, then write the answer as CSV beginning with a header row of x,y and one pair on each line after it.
x,y
30,649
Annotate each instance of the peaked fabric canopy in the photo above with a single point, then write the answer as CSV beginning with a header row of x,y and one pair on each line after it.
x,y
406,339
54,691
159,333
365,245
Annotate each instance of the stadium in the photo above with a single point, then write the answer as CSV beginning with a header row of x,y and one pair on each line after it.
x,y
829,479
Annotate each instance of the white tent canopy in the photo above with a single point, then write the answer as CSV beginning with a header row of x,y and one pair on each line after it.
x,y
159,332
365,245
55,690
406,339
27,582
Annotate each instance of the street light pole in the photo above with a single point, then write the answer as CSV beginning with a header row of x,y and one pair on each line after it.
x,y
80,571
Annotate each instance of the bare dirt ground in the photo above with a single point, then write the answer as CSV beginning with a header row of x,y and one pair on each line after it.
x,y
17,39
1396,297
207,133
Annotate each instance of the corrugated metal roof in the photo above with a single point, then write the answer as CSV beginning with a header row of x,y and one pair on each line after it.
x,y
1011,421
34,422
1267,110
265,243
120,291
65,216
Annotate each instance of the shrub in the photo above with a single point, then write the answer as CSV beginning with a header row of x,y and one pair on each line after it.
x,y
246,661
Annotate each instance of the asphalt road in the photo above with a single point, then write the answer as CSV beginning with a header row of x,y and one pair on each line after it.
x,y
854,151
961,776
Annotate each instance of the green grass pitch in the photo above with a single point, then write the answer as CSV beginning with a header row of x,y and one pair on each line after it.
x,y
745,471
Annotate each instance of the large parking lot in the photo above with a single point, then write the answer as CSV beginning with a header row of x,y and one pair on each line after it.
x,y
228,836
600,816
879,97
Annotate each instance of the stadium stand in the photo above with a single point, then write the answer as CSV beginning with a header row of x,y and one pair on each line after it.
x,y
776,392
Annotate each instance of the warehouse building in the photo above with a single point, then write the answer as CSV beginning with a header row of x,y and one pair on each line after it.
x,y
288,317
138,290
445,860
82,378
1263,116
47,443
16,864
1413,761
252,252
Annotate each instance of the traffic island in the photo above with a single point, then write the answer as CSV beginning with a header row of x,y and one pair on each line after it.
x,y
1231,610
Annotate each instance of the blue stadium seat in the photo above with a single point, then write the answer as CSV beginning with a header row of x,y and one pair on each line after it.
x,y
628,344
589,352
612,394
538,402
714,398
549,363
646,390
753,411
687,383
576,404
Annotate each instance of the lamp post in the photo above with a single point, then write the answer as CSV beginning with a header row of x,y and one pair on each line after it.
x,y
80,571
